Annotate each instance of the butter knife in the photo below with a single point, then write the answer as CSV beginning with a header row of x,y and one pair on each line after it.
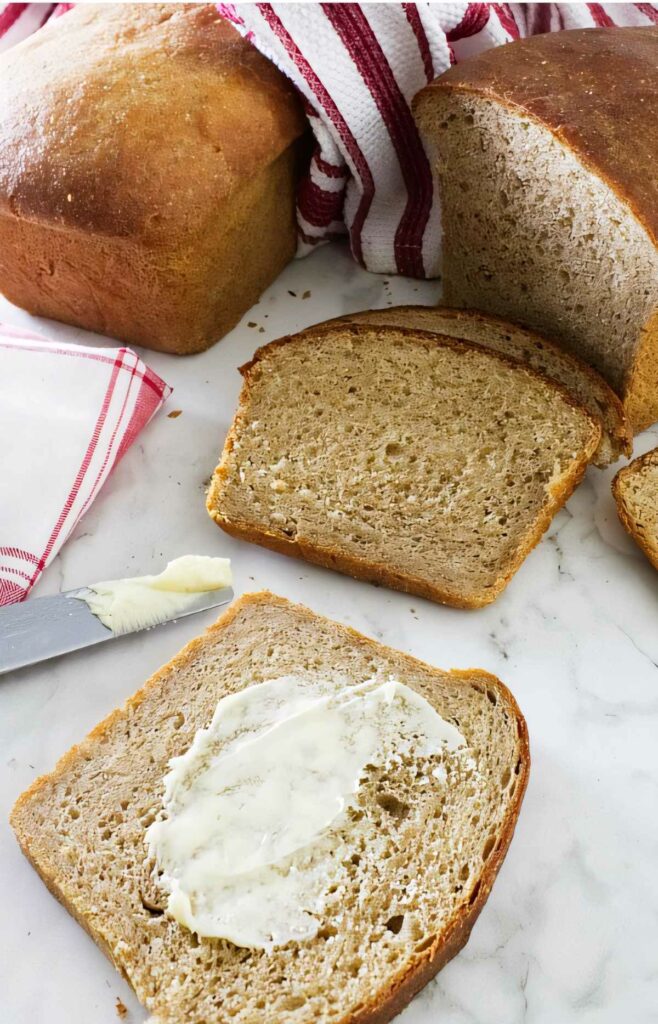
x,y
45,627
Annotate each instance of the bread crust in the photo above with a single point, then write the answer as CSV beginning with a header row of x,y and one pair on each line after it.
x,y
624,511
149,157
372,572
424,965
616,426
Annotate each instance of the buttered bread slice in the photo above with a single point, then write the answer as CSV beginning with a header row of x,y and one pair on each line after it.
x,y
364,903
415,460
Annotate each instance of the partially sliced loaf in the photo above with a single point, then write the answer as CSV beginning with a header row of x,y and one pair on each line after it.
x,y
635,489
401,457
584,383
545,156
411,897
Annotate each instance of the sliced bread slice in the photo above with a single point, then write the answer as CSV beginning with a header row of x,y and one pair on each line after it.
x,y
635,489
410,896
401,457
584,383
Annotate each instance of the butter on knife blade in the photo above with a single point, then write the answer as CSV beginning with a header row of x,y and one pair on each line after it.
x,y
45,627
127,605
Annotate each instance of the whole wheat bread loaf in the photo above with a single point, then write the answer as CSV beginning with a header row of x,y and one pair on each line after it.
x,y
545,153
635,489
584,383
411,895
406,458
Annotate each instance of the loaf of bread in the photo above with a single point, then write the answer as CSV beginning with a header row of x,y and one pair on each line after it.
x,y
409,894
546,152
148,161
635,490
584,383
402,457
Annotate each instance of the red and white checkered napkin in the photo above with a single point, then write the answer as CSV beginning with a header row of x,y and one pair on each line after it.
x,y
67,415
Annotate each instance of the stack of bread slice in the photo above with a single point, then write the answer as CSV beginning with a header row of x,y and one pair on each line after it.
x,y
424,449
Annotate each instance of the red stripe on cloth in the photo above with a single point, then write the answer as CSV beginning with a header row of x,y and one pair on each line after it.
x,y
25,556
413,17
507,20
600,17
47,15
145,407
11,593
15,572
363,47
108,450
318,206
360,163
330,170
649,11
476,17
82,472
541,19
10,16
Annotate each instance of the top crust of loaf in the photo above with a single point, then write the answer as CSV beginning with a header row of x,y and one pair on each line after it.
x,y
121,763
596,90
110,111
635,490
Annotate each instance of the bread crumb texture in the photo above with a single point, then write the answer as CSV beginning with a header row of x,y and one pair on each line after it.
x,y
581,381
418,873
424,463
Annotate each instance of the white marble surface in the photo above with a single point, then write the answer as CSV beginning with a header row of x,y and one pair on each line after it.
x,y
570,933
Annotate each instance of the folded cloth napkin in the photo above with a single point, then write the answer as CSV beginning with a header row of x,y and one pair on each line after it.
x,y
358,66
67,415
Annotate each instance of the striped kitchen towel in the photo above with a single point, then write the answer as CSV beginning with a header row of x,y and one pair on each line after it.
x,y
357,67
67,415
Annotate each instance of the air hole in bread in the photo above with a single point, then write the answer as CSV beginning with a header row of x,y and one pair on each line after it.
x,y
428,941
390,803
489,847
394,924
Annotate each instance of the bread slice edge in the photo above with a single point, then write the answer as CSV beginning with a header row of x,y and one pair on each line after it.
x,y
424,965
624,511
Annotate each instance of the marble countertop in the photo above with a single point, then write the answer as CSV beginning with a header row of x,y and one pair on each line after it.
x,y
570,932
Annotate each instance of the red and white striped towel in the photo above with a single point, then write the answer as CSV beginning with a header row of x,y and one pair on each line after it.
x,y
358,67
67,415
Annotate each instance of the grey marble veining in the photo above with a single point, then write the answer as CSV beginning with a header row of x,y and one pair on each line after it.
x,y
570,932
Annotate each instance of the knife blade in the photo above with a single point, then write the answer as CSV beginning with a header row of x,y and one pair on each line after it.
x,y
45,627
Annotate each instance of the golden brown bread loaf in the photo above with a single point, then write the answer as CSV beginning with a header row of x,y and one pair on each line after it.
x,y
147,173
546,152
